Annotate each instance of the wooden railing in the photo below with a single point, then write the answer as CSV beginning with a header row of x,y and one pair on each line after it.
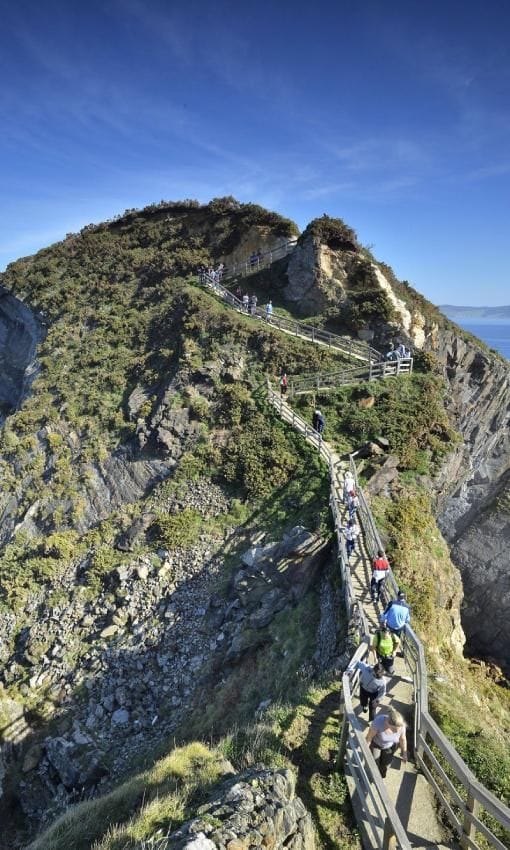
x,y
332,380
259,261
462,799
345,345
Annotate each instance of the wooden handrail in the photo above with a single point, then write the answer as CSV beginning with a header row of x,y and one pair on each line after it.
x,y
331,380
346,345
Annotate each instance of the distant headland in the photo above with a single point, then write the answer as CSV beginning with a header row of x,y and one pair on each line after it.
x,y
459,313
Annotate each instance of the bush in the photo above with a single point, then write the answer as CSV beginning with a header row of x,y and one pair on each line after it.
x,y
178,530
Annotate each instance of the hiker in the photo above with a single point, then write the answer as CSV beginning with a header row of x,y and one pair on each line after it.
x,y
219,272
253,305
380,571
254,259
284,383
318,421
397,614
246,302
269,311
351,532
384,645
349,484
352,503
387,732
401,350
372,686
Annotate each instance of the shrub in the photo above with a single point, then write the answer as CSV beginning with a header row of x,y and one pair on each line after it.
x,y
178,530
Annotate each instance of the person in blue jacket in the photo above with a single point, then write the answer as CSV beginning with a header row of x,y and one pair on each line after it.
x,y
397,614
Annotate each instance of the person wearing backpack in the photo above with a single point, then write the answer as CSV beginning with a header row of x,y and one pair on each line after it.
x,y
384,646
397,614
372,686
380,571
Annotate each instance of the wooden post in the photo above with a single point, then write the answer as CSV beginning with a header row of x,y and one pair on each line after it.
x,y
389,837
469,828
342,743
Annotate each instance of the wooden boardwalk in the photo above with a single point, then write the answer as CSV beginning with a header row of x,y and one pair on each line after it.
x,y
408,789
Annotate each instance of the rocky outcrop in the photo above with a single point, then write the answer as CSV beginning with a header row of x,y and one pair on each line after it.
x,y
481,551
473,480
20,332
258,808
139,652
317,276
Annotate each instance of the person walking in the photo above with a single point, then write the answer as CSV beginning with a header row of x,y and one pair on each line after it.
x,y
380,571
351,533
253,305
318,421
284,383
246,302
269,311
397,614
349,484
384,645
387,732
372,686
352,503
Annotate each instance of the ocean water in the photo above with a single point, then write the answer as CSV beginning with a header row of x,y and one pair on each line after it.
x,y
494,333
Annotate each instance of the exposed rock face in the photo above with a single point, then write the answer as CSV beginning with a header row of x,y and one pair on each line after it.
x,y
482,554
470,511
140,652
255,808
20,332
317,276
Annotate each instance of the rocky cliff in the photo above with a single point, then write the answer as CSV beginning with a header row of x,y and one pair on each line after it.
x,y
326,276
20,332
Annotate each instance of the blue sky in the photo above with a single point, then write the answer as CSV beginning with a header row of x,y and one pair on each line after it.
x,y
392,116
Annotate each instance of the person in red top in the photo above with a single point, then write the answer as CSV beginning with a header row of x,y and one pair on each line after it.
x,y
380,571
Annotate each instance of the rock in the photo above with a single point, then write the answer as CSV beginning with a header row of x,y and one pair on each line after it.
x,y
366,402
120,717
379,482
109,631
200,842
142,571
32,758
136,400
255,808
370,449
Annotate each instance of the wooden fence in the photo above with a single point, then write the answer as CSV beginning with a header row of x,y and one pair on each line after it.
x,y
345,345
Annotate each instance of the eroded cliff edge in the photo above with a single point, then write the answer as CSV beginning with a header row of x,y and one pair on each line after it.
x,y
20,332
331,272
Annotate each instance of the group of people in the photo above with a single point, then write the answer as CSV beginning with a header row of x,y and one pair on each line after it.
x,y
213,275
249,303
401,352
387,730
